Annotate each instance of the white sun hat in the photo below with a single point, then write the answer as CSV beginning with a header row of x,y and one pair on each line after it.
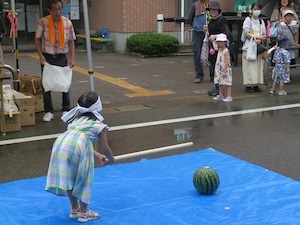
x,y
221,37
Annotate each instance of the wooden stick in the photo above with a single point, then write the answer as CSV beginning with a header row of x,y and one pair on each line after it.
x,y
152,151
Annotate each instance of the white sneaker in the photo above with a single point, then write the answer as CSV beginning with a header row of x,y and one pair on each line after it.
x,y
218,98
64,113
283,92
48,117
227,99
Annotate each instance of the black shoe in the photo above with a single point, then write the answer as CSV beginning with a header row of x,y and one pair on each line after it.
x,y
249,89
257,89
213,92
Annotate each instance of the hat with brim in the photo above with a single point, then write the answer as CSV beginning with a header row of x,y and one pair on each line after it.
x,y
213,5
221,37
286,12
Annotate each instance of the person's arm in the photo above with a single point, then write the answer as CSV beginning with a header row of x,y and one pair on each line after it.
x,y
105,148
102,158
71,44
262,37
191,15
287,67
247,27
295,30
224,27
38,47
38,40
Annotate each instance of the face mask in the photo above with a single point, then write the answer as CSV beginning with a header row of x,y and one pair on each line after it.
x,y
256,12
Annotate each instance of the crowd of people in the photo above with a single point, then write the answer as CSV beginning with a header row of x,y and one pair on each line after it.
x,y
206,18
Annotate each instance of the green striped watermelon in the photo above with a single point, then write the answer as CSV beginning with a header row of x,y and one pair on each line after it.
x,y
206,180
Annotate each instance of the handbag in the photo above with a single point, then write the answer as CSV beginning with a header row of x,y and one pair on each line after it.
x,y
204,51
261,48
273,30
251,50
56,78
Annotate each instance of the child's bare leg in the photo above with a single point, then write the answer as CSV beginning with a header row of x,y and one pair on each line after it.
x,y
73,200
221,90
281,86
228,91
84,208
273,86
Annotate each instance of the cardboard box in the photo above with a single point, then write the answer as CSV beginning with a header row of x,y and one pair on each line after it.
x,y
38,100
39,103
28,100
26,106
27,116
31,84
12,124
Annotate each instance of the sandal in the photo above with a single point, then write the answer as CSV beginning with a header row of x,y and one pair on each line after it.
x,y
89,215
74,213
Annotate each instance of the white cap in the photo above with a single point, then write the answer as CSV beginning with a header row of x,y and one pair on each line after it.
x,y
221,37
288,11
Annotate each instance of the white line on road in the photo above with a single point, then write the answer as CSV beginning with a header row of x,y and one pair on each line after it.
x,y
160,122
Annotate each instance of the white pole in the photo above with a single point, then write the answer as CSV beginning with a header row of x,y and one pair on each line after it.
x,y
152,151
182,23
160,22
88,43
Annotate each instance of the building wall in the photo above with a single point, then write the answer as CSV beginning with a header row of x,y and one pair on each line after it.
x,y
227,5
127,17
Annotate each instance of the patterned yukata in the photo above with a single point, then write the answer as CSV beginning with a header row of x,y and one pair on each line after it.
x,y
220,64
281,58
72,160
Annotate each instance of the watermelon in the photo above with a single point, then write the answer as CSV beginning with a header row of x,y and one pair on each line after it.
x,y
206,180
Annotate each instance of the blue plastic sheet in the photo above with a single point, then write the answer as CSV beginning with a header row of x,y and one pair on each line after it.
x,y
161,191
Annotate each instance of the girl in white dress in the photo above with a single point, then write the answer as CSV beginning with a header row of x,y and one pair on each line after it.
x,y
223,71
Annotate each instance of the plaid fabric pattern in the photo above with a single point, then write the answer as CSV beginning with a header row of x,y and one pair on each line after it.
x,y
71,164
42,32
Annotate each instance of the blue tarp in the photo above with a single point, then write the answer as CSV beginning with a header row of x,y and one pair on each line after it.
x,y
161,191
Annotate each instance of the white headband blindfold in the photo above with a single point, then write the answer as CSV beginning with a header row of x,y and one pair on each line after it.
x,y
95,109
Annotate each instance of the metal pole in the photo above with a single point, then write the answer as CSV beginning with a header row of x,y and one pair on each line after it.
x,y
15,44
182,23
88,43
